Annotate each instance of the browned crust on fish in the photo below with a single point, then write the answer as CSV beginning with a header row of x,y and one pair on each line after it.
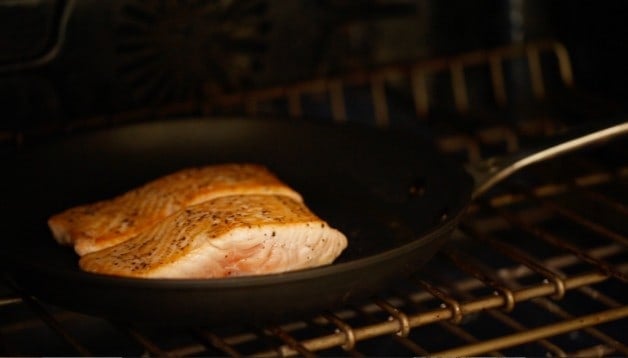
x,y
106,223
217,237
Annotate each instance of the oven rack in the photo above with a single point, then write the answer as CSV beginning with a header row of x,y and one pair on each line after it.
x,y
537,268
432,304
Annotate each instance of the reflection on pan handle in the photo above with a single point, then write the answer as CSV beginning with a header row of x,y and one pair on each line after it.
x,y
487,173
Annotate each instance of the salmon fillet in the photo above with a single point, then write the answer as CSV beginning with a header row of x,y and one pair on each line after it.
x,y
99,225
227,236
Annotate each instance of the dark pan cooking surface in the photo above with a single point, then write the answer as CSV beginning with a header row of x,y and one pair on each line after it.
x,y
395,198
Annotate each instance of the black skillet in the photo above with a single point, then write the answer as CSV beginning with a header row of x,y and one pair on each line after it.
x,y
394,196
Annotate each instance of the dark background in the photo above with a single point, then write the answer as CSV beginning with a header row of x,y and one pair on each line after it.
x,y
64,61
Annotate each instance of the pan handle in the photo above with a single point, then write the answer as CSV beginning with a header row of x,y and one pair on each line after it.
x,y
487,173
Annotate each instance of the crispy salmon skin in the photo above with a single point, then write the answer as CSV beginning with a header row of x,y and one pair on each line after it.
x,y
226,236
99,225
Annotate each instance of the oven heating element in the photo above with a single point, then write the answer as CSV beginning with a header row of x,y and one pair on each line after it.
x,y
538,267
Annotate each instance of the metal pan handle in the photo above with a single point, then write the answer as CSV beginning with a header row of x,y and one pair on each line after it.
x,y
487,173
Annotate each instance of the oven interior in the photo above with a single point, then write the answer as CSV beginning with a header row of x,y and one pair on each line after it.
x,y
538,266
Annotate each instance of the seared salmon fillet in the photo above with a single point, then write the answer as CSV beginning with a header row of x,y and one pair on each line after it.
x,y
99,225
226,236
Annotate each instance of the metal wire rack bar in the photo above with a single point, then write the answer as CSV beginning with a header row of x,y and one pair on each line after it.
x,y
563,244
351,335
534,334
418,74
149,345
54,324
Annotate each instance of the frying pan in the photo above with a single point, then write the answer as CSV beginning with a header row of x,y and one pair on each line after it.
x,y
393,195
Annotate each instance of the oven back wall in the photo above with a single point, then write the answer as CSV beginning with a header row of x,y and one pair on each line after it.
x,y
72,60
